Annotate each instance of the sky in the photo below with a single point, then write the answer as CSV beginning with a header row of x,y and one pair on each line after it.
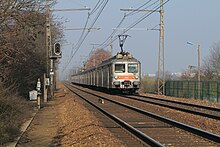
x,y
196,21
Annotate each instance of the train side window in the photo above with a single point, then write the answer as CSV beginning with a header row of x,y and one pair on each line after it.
x,y
119,68
132,68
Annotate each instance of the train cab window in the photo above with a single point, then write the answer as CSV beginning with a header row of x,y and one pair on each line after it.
x,y
132,68
119,68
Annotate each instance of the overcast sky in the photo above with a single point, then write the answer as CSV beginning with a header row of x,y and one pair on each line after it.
x,y
197,21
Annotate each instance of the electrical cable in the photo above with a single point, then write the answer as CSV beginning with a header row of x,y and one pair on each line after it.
x,y
144,17
91,27
131,26
139,20
82,34
96,7
115,30
83,39
136,10
84,28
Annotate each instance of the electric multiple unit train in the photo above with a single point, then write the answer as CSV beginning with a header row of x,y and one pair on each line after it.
x,y
122,73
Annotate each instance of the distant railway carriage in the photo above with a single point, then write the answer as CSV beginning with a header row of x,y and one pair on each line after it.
x,y
121,72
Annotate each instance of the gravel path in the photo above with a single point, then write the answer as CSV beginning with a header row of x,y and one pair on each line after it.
x,y
64,121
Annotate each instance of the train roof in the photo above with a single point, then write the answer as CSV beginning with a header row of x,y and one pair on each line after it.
x,y
125,56
119,57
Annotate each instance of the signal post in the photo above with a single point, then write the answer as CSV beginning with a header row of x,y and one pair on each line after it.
x,y
53,53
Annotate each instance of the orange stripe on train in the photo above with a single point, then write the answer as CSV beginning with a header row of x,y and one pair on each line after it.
x,y
126,77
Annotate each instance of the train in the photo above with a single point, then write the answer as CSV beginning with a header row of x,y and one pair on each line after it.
x,y
120,73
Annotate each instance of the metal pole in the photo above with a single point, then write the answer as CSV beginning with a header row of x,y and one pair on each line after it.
x,y
51,78
111,46
161,77
199,71
38,93
48,34
55,75
47,40
48,45
45,89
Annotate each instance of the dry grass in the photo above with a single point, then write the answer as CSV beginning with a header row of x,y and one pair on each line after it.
x,y
13,111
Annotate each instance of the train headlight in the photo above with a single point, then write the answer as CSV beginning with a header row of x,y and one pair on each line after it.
x,y
136,77
116,83
136,83
116,77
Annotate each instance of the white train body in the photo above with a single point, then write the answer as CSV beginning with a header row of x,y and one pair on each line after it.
x,y
121,72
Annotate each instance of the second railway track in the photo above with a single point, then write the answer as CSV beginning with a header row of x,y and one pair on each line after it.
x,y
209,112
167,132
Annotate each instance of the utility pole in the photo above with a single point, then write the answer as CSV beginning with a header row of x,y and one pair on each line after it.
x,y
48,47
199,72
160,77
49,51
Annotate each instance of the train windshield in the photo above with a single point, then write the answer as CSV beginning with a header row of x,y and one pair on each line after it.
x,y
132,68
119,68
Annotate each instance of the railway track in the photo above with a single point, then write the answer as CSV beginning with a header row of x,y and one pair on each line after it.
x,y
201,110
110,121
152,129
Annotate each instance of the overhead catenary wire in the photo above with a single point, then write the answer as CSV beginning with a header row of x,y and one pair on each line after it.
x,y
120,23
129,14
82,39
135,10
87,20
96,7
115,30
82,34
85,26
143,17
104,45
96,18
113,33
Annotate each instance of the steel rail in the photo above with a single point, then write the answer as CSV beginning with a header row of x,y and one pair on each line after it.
x,y
137,133
194,130
178,108
182,103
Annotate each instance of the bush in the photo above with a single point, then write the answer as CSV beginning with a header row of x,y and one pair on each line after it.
x,y
13,113
148,84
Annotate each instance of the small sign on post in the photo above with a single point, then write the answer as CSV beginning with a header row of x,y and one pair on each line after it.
x,y
45,88
33,95
47,81
38,93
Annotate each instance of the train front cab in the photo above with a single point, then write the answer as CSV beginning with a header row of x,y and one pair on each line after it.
x,y
126,76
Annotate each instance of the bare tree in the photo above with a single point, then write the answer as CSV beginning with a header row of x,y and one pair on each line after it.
x,y
22,42
211,67
97,57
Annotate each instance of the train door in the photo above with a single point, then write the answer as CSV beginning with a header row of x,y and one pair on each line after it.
x,y
90,78
102,76
87,78
108,75
94,77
